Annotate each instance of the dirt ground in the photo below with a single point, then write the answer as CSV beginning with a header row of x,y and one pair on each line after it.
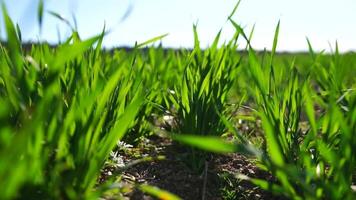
x,y
173,175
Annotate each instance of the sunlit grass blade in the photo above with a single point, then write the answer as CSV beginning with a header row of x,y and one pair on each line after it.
x,y
311,51
67,52
19,34
158,193
240,30
275,41
150,41
208,143
13,42
234,10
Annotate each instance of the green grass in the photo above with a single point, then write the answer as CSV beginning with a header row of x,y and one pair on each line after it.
x,y
201,96
61,116
309,163
63,109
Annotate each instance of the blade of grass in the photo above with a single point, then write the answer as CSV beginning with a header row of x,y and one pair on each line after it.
x,y
152,40
158,193
40,10
234,10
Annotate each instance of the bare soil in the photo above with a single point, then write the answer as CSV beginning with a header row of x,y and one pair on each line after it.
x,y
173,175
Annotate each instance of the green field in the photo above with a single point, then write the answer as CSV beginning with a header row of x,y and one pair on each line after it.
x,y
225,122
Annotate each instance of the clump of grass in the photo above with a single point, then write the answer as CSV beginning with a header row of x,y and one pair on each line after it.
x,y
309,162
201,97
303,158
62,112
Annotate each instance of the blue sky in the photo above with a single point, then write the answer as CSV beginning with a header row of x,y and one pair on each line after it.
x,y
322,21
